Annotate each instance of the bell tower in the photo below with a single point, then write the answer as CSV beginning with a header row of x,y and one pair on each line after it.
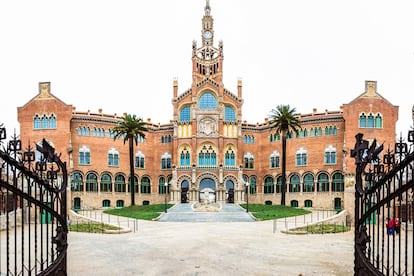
x,y
207,59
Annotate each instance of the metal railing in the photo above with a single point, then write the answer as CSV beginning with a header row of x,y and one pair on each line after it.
x,y
33,225
383,208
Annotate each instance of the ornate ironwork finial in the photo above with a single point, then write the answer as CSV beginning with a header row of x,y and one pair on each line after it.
x,y
360,148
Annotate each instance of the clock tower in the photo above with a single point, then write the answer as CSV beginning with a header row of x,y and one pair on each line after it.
x,y
207,60
207,144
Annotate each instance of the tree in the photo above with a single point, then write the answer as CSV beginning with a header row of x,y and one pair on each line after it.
x,y
284,119
130,129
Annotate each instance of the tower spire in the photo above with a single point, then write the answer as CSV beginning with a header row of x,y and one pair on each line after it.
x,y
207,8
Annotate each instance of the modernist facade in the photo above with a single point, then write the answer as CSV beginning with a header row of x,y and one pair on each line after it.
x,y
206,151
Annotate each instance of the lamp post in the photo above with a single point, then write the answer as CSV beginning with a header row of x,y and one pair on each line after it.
x,y
247,196
165,197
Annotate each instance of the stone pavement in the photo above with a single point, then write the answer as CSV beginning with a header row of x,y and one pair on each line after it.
x,y
227,213
210,248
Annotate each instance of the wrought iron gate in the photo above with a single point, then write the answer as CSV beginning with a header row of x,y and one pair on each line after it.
x,y
384,237
33,219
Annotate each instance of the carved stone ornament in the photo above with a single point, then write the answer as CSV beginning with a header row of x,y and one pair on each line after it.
x,y
207,127
44,90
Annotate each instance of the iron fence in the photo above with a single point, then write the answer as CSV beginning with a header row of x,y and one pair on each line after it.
x,y
383,208
33,221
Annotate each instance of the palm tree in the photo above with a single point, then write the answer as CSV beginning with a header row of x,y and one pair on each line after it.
x,y
284,119
131,128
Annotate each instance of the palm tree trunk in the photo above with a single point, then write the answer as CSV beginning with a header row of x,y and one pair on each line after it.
x,y
283,200
131,170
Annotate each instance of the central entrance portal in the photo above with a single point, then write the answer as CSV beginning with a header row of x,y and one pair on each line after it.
x,y
207,190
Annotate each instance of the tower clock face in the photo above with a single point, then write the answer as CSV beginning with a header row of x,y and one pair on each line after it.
x,y
207,34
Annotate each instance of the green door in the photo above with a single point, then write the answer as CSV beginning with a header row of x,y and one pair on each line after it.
x,y
46,217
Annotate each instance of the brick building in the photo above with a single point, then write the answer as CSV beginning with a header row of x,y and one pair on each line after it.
x,y
206,152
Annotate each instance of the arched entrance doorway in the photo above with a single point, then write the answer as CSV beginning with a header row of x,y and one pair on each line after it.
x,y
207,190
229,191
184,191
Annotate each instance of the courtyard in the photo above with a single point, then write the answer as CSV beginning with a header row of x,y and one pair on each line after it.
x,y
210,248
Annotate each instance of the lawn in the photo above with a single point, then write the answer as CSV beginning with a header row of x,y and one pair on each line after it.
x,y
145,212
268,212
91,227
259,211
321,228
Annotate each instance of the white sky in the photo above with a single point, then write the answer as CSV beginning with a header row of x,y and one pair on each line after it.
x,y
122,55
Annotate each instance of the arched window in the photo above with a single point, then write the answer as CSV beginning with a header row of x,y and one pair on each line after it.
x,y
229,114
330,155
362,120
312,132
378,121
77,203
294,203
162,189
91,182
145,185
301,133
301,157
279,184
106,183
113,157
76,183
337,182
166,161
110,134
185,114
323,182
248,139
119,203
84,155
139,160
45,121
338,204
308,203
207,101
269,187
229,158
371,121
120,186
294,185
135,184
318,131
52,121
106,203
207,157
248,161
36,122
253,185
185,158
308,183
275,160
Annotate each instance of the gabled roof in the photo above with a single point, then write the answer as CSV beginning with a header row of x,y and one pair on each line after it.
x,y
44,93
370,92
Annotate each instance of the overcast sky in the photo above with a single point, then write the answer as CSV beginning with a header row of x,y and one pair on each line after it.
x,y
123,55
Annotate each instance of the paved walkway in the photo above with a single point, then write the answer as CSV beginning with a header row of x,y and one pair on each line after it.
x,y
210,248
185,213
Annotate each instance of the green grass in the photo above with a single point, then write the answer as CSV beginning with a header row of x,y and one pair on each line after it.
x,y
145,212
259,211
92,227
323,228
268,212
